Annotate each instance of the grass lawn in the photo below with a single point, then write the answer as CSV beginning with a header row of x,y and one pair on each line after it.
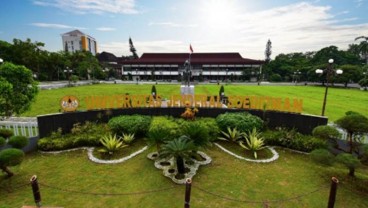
x,y
338,102
293,174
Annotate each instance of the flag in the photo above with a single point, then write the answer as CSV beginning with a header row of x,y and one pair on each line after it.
x,y
190,48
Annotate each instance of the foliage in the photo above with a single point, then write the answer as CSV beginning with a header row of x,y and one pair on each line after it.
x,y
326,132
18,89
241,121
322,156
354,124
10,157
268,51
363,82
18,141
180,148
153,91
189,113
157,136
131,124
351,73
128,138
211,125
293,140
2,141
232,135
222,91
87,134
196,132
349,161
172,126
6,133
275,78
111,144
253,142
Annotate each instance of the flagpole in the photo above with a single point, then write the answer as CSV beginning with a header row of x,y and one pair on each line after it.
x,y
189,70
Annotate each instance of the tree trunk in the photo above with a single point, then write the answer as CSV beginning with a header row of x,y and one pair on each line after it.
x,y
352,172
180,165
350,140
7,171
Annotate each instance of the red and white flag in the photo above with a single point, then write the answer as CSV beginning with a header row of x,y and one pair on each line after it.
x,y
190,48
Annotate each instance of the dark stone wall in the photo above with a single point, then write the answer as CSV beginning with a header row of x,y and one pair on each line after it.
x,y
65,121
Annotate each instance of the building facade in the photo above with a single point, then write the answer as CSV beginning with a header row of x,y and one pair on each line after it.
x,y
212,67
78,41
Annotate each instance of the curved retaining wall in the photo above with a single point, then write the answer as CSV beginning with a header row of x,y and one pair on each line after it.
x,y
49,123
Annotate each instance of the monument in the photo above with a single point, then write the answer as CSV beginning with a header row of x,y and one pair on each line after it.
x,y
187,89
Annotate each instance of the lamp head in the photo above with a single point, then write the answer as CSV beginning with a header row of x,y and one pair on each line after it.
x,y
339,71
330,61
319,71
1,60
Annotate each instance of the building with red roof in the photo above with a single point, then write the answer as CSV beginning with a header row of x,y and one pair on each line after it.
x,y
203,66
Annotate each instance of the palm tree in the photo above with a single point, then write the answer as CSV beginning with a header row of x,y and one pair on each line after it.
x,y
180,148
198,133
157,136
363,47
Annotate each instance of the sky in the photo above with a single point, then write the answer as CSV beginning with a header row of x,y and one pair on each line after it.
x,y
168,26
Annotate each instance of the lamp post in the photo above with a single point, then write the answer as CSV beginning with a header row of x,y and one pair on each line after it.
x,y
365,78
227,70
68,71
330,72
136,74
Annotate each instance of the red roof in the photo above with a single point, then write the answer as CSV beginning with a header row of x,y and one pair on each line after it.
x,y
196,58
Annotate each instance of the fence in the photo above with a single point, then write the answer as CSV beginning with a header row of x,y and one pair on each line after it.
x,y
28,129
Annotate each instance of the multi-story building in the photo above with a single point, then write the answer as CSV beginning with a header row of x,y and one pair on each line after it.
x,y
203,67
78,41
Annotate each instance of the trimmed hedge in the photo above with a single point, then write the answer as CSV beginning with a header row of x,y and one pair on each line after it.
x,y
6,133
168,123
2,141
11,157
18,141
242,121
137,124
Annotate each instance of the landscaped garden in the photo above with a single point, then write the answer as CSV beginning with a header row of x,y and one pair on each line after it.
x,y
234,160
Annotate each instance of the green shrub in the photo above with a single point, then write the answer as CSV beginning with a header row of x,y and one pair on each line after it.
x,y
326,132
88,134
111,144
322,156
128,138
172,126
134,124
232,135
212,127
197,132
242,121
50,144
18,141
2,141
6,133
10,157
293,140
253,142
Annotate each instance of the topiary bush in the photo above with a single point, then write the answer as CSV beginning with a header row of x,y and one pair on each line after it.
x,y
242,121
132,124
322,156
6,133
326,132
349,161
10,157
170,125
18,141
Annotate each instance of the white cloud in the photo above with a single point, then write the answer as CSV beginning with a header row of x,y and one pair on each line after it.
x,y
171,24
358,3
91,6
105,29
55,26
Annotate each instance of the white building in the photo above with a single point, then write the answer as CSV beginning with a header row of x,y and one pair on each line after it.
x,y
78,41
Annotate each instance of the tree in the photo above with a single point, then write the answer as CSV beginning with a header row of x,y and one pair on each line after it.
x,y
132,49
354,124
10,157
268,51
363,47
351,73
18,89
180,148
349,161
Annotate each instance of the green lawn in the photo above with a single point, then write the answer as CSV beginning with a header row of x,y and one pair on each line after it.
x,y
292,175
339,100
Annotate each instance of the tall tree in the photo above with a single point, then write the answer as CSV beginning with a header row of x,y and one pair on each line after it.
x,y
363,47
268,51
132,49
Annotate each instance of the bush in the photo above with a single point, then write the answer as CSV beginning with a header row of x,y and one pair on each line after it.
x,y
134,124
293,140
6,133
322,156
241,121
326,132
2,141
11,157
88,134
212,127
196,132
275,78
349,161
49,144
18,141
171,126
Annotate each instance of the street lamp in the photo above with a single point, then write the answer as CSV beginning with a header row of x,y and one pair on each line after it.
x,y
136,74
330,72
68,71
227,70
